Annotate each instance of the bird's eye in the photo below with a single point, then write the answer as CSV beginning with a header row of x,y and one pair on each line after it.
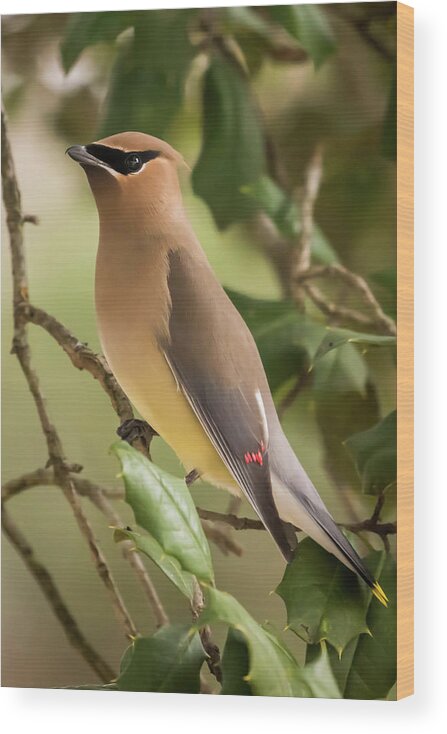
x,y
133,163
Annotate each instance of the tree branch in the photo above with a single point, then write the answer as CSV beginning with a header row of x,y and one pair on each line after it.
x,y
211,649
379,319
238,523
371,525
56,456
301,255
81,356
98,497
55,600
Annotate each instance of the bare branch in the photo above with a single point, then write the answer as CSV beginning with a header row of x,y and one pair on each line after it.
x,y
302,252
371,525
103,504
211,649
86,488
357,283
81,356
100,496
55,600
238,523
221,538
37,478
335,312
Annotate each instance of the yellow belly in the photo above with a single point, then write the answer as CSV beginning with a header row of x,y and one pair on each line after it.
x,y
147,380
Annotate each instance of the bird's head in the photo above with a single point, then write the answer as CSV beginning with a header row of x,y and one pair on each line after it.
x,y
130,169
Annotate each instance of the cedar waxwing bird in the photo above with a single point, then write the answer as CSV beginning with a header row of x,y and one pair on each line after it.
x,y
181,351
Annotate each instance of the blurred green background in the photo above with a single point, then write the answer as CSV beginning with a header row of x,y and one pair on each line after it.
x,y
338,91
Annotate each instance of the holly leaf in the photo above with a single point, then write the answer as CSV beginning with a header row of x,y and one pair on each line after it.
x,y
273,671
232,154
168,662
335,338
146,544
271,199
282,210
287,339
164,507
319,674
323,598
368,667
235,665
341,370
339,415
375,455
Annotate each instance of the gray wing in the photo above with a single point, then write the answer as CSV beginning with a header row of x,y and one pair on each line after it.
x,y
216,363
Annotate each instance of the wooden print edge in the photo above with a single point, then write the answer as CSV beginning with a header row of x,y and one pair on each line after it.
x,y
405,352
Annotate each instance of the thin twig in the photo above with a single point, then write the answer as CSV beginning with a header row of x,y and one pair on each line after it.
x,y
238,523
221,538
357,283
302,250
55,600
100,496
103,504
86,488
211,649
335,312
373,524
81,356
221,534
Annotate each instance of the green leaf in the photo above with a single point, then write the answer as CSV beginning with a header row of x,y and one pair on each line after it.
x,y
324,599
342,370
387,282
183,580
87,29
320,676
232,154
279,207
268,196
147,80
164,507
287,339
335,338
168,662
375,455
339,414
309,25
235,665
273,671
368,667
252,33
238,17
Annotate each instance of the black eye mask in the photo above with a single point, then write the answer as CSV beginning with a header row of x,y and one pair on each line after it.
x,y
122,161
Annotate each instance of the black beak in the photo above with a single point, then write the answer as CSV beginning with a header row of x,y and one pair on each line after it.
x,y
81,156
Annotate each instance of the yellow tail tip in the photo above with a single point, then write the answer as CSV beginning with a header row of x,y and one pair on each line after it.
x,y
380,594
